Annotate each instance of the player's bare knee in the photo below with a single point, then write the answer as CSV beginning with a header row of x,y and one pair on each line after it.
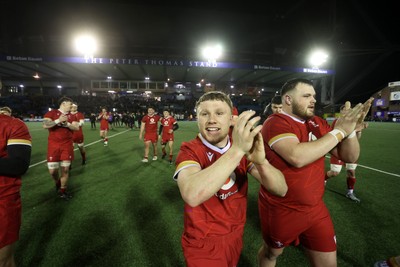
x,y
350,173
332,173
270,253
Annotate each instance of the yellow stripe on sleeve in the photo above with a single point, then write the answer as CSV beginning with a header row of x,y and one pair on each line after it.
x,y
185,164
281,136
19,142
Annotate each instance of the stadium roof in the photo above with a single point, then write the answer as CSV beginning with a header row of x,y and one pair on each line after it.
x,y
265,43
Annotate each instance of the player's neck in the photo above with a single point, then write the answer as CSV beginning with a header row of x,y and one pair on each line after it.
x,y
63,111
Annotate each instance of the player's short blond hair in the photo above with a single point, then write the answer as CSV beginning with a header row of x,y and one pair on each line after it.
x,y
215,96
5,110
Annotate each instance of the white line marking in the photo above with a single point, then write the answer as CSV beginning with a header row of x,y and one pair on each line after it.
x,y
393,174
373,169
363,166
44,161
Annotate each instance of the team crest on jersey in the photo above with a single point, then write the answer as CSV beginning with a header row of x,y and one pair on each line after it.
x,y
314,124
210,156
279,244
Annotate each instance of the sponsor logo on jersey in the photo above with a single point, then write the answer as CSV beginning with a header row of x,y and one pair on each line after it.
x,y
229,183
311,137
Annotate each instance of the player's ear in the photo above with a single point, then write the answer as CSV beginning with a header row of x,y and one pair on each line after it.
x,y
288,99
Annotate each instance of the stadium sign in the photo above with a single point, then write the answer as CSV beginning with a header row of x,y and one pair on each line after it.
x,y
394,84
395,96
163,62
379,102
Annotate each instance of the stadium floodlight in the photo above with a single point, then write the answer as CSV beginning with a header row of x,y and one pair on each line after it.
x,y
87,45
212,53
317,58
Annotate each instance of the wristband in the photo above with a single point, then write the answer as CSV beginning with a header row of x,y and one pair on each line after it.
x,y
353,134
80,123
68,124
57,121
338,134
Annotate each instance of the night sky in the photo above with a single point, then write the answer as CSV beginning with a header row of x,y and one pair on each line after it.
x,y
363,40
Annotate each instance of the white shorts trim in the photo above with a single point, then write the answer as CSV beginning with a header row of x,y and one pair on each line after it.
x,y
65,163
53,165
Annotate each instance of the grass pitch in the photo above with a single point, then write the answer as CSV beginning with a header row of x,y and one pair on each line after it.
x,y
128,213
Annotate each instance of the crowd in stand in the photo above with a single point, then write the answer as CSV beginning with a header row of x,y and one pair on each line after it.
x,y
35,106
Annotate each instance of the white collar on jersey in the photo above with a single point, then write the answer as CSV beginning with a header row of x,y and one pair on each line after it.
x,y
212,147
293,118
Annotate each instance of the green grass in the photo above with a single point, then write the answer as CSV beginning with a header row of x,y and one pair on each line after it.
x,y
127,213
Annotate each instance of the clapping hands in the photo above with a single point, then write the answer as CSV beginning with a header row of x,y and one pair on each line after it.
x,y
247,137
353,118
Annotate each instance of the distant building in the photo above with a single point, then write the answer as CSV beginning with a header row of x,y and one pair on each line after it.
x,y
386,106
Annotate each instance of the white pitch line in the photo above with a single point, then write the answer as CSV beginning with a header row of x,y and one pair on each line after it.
x,y
363,166
44,161
373,169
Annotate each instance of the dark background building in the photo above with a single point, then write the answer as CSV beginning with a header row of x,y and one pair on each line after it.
x,y
265,43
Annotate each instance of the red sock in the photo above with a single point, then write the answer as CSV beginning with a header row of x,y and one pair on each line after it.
x,y
351,182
